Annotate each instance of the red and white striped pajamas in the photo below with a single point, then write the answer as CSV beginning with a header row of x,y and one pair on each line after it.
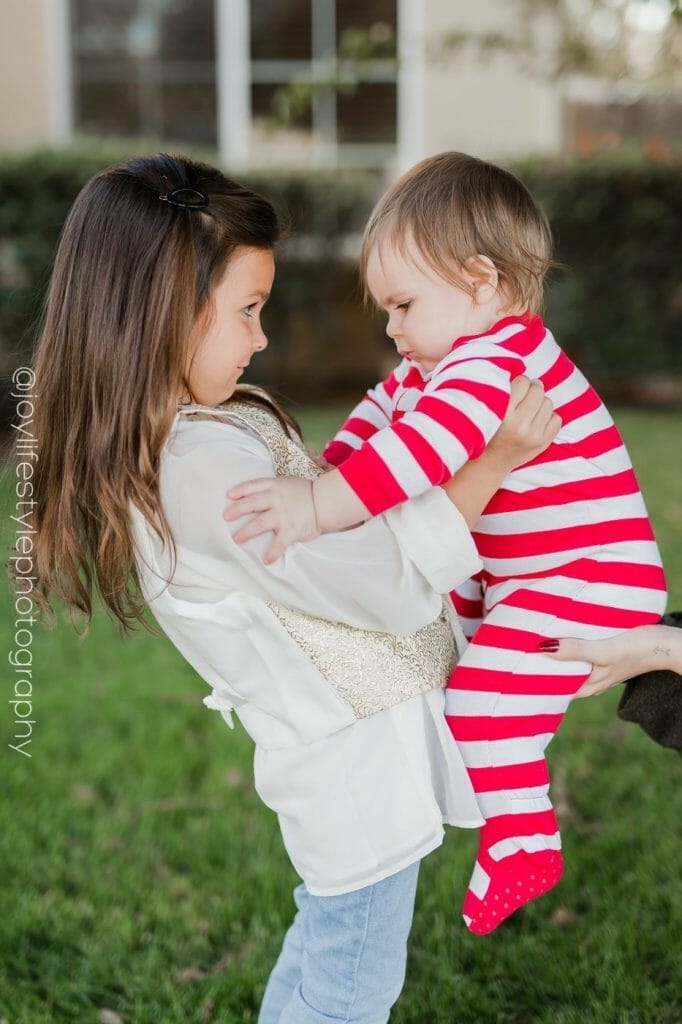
x,y
567,550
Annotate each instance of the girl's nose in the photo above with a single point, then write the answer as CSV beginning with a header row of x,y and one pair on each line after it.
x,y
260,342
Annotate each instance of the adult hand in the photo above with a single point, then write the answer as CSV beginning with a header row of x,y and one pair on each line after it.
x,y
620,657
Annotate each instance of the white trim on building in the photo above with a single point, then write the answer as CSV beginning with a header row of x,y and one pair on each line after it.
x,y
410,85
323,38
59,74
233,93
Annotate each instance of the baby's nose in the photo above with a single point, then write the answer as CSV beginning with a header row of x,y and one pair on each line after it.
x,y
392,330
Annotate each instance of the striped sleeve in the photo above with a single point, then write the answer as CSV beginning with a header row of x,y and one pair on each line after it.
x,y
461,408
370,415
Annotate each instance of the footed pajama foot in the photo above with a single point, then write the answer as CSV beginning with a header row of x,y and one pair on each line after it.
x,y
513,882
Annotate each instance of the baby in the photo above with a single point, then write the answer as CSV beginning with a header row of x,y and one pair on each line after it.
x,y
456,252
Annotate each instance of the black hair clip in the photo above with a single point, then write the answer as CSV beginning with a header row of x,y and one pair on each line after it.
x,y
186,198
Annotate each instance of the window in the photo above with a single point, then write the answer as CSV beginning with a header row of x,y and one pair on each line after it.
x,y
145,68
152,69
310,41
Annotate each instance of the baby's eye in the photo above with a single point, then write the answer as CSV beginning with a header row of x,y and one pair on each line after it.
x,y
248,310
403,305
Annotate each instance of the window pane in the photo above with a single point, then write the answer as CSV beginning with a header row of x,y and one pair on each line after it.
x,y
187,30
103,69
377,15
280,30
189,112
369,114
145,67
107,109
262,96
102,26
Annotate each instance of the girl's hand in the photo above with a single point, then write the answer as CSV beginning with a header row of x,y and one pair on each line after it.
x,y
282,505
530,426
620,657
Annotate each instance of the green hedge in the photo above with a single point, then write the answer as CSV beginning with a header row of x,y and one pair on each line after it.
x,y
616,307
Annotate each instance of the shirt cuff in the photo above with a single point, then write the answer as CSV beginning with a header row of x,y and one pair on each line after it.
x,y
435,537
217,702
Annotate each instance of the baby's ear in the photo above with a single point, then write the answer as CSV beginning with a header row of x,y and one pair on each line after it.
x,y
483,276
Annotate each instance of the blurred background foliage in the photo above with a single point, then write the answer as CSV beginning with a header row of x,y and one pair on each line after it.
x,y
615,303
602,38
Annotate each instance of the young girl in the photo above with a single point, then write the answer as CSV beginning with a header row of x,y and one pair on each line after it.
x,y
456,252
335,659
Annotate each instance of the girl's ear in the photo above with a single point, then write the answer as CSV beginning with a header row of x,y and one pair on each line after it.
x,y
483,278
202,323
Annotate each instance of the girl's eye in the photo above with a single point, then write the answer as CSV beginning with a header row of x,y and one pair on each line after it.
x,y
403,305
248,310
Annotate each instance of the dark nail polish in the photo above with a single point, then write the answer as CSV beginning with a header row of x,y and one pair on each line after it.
x,y
548,646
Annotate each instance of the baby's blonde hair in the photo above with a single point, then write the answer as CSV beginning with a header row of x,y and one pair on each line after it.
x,y
453,207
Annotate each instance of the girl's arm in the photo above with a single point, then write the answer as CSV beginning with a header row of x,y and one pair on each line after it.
x,y
620,657
387,574
529,426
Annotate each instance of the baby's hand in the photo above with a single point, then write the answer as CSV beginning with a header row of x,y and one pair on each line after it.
x,y
283,505
317,458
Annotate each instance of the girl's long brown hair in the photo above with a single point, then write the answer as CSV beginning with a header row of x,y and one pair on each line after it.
x,y
132,273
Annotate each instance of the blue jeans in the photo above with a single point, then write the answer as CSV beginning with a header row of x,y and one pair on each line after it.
x,y
343,958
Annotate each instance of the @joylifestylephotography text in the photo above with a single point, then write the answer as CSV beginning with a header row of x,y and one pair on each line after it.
x,y
20,655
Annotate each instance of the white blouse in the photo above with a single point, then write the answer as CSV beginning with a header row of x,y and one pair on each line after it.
x,y
357,798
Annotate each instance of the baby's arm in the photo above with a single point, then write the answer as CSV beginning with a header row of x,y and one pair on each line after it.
x,y
289,506
460,410
286,505
371,414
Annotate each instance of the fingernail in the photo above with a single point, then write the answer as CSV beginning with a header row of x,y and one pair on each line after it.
x,y
548,646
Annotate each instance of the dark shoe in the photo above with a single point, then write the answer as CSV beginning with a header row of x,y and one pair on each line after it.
x,y
653,700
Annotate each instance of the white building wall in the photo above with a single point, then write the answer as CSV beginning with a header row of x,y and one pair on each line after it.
x,y
23,74
488,106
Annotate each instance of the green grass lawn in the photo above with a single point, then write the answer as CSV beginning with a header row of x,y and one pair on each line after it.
x,y
141,874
